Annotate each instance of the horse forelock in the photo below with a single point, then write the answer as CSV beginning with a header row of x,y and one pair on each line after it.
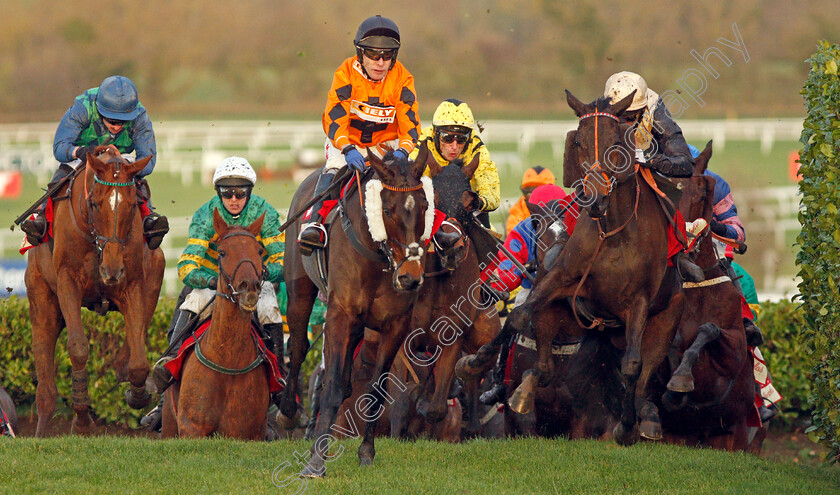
x,y
601,103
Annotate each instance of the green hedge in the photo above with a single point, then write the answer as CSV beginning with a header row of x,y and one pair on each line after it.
x,y
783,327
17,374
819,240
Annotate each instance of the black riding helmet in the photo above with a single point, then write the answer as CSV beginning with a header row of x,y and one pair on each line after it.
x,y
377,32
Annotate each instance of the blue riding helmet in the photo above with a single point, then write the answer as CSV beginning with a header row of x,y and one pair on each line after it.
x,y
117,99
694,151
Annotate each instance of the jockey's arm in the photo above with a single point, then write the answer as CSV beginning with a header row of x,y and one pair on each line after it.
x,y
408,121
143,138
74,121
195,268
336,118
485,181
673,158
274,243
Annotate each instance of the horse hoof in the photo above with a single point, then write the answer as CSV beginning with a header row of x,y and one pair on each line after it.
x,y
83,428
625,437
651,430
674,401
522,400
137,398
310,471
681,383
286,422
465,371
366,454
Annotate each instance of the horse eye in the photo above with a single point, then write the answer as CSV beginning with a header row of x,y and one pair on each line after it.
x,y
262,251
387,212
221,253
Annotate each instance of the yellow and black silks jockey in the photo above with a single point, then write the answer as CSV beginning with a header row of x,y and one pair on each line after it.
x,y
453,135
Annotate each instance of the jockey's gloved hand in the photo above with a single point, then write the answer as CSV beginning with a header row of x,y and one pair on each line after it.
x,y
82,151
400,154
718,228
354,159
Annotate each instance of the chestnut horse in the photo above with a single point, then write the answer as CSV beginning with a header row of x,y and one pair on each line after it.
x,y
373,280
98,258
616,257
710,384
222,387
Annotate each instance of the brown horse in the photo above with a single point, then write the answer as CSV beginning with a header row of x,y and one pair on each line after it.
x,y
450,315
373,280
98,258
223,388
710,385
616,258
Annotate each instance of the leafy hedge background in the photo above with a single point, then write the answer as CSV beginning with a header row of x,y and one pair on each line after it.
x,y
819,258
782,324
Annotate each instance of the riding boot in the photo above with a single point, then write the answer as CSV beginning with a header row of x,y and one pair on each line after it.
x,y
688,271
497,394
155,226
313,235
36,228
161,377
315,409
153,419
274,340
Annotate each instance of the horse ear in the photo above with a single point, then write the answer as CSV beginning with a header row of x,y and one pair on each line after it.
x,y
219,224
470,168
256,227
423,160
136,167
619,107
571,167
383,171
578,106
701,163
97,165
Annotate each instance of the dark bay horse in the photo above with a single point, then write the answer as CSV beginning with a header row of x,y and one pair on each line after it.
x,y
708,400
223,387
98,258
449,315
376,264
617,258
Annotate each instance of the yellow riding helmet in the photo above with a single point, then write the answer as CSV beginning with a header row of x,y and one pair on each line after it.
x,y
537,176
452,112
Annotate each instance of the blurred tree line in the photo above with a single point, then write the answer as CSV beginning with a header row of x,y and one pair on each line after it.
x,y
275,58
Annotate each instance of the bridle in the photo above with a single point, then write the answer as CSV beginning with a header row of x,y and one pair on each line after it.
x,y
227,280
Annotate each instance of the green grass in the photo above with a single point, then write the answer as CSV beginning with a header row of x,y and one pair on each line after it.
x,y
135,465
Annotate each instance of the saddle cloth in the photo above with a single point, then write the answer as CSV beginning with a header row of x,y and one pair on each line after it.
x,y
276,381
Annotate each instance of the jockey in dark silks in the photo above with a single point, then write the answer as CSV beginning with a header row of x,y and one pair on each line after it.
x,y
660,144
109,114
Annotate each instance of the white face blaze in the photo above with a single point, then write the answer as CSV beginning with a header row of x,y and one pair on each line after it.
x,y
112,200
409,203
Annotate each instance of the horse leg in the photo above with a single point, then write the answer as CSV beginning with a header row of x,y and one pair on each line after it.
x,y
392,336
434,409
656,341
682,380
302,293
338,355
169,424
545,328
475,366
135,337
47,322
627,431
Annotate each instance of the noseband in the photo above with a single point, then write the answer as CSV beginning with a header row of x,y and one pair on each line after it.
x,y
233,296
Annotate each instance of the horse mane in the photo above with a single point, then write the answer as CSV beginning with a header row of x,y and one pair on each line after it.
x,y
601,103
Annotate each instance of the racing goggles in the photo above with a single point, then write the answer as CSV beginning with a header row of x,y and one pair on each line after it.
x,y
240,192
449,137
376,54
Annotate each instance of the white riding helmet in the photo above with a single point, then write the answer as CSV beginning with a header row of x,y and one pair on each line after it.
x,y
234,171
621,84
